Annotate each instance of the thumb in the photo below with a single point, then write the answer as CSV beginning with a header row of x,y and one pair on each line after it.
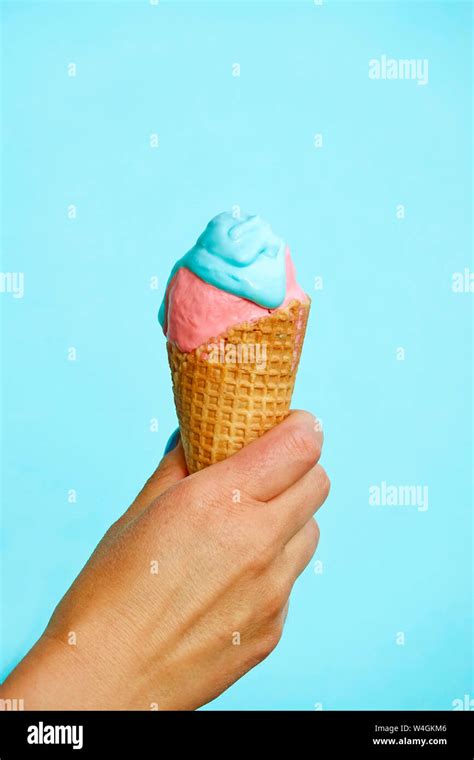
x,y
171,470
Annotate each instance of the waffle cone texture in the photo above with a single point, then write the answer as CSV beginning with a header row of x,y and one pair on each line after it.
x,y
238,385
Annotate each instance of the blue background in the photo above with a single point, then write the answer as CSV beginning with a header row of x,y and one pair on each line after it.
x,y
387,283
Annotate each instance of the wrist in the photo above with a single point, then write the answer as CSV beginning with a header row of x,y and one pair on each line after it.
x,y
50,677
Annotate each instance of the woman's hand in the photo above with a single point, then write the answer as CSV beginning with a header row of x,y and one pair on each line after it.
x,y
189,589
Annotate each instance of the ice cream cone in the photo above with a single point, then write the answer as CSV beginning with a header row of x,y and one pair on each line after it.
x,y
237,385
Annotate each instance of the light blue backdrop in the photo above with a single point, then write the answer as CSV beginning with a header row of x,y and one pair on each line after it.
x,y
389,574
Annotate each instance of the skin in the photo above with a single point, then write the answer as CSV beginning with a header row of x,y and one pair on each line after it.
x,y
175,635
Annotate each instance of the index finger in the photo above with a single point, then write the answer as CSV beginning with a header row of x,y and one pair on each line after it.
x,y
271,464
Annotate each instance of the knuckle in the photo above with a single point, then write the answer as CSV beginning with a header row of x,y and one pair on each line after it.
x,y
302,444
276,599
313,535
273,607
325,483
258,558
268,642
260,551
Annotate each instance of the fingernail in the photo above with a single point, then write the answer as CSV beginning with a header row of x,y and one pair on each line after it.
x,y
172,442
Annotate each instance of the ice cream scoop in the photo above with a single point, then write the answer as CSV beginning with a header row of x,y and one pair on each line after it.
x,y
238,271
235,318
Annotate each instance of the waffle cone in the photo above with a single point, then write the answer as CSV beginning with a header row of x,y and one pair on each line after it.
x,y
232,389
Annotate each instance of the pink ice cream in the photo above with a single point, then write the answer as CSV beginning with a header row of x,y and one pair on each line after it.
x,y
197,312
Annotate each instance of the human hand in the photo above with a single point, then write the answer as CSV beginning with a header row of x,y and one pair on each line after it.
x,y
188,590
